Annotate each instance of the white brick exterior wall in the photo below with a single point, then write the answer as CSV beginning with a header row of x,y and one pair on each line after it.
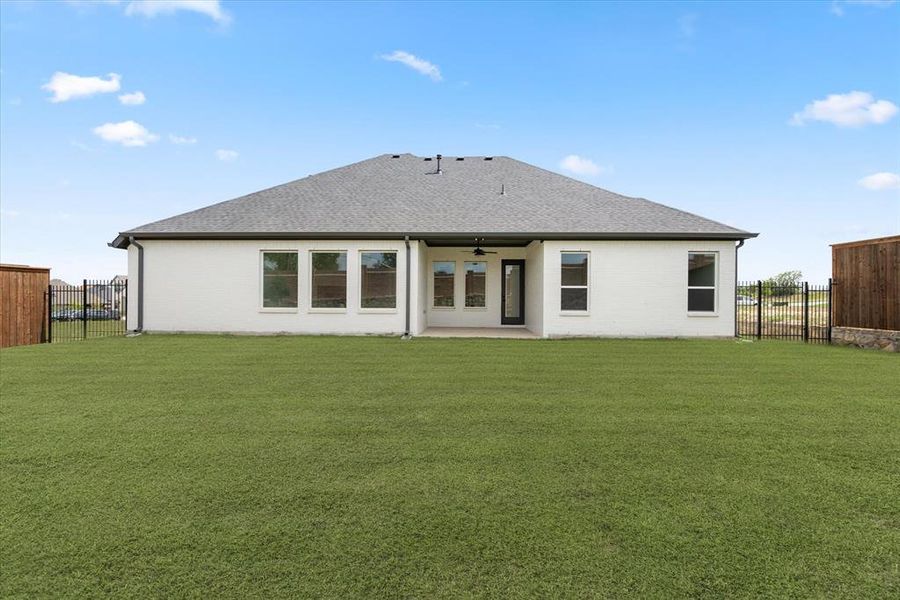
x,y
199,285
637,288
534,288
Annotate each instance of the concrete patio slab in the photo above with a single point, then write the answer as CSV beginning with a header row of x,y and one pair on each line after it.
x,y
519,333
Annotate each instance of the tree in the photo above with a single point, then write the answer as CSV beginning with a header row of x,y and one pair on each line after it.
x,y
783,284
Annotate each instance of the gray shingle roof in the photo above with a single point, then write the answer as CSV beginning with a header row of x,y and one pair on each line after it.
x,y
402,194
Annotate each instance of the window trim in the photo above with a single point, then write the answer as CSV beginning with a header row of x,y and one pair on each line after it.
x,y
262,283
431,287
587,287
326,310
715,287
466,292
383,311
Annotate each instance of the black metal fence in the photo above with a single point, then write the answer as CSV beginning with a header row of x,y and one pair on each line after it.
x,y
793,312
92,310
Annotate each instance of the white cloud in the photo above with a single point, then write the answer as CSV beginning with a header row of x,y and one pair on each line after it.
x,y
580,166
127,133
415,63
837,6
66,86
180,139
152,8
133,98
854,109
881,181
226,155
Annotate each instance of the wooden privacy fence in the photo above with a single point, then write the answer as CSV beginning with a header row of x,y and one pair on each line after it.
x,y
866,277
23,306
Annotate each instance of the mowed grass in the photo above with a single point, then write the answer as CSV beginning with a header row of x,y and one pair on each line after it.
x,y
214,466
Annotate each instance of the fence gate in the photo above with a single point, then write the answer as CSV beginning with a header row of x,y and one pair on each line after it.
x,y
794,312
92,310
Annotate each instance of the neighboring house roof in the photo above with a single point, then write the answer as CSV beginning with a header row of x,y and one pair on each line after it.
x,y
396,195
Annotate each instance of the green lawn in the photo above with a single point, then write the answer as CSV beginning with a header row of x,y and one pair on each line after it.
x,y
172,466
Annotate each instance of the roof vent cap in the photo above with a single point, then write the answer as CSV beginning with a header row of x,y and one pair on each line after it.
x,y
488,158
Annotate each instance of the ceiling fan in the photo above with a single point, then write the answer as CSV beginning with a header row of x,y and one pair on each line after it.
x,y
479,251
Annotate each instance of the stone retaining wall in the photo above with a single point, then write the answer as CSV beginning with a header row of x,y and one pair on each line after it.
x,y
881,339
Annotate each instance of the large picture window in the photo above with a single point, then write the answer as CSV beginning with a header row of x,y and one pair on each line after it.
x,y
573,278
444,276
328,285
279,279
476,278
701,281
378,279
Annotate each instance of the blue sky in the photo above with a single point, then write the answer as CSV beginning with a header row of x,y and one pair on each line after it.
x,y
741,112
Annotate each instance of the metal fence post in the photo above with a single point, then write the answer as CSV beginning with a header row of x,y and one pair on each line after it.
x,y
828,329
84,309
759,301
805,311
49,313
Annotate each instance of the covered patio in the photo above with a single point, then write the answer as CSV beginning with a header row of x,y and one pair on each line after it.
x,y
477,287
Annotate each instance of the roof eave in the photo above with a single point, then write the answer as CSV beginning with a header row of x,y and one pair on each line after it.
x,y
122,240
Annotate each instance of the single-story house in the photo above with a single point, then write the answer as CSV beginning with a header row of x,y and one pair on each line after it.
x,y
400,244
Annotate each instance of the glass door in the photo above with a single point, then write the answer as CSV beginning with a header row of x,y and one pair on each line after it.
x,y
512,293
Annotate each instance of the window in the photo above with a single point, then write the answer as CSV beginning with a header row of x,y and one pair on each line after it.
x,y
378,280
475,284
279,279
573,278
328,285
701,281
443,284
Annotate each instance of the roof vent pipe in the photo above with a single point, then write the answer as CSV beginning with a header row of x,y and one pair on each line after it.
x,y
502,189
439,172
